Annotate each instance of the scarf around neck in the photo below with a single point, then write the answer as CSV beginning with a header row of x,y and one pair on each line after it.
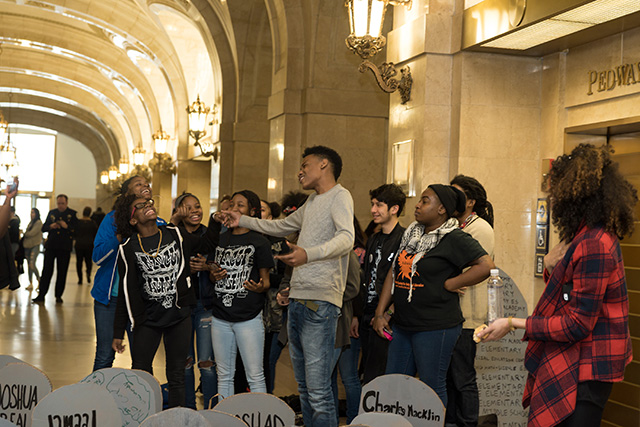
x,y
416,241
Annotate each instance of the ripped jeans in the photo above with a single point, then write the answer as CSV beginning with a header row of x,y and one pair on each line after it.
x,y
201,320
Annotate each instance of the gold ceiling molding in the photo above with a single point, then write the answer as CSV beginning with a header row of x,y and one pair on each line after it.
x,y
537,27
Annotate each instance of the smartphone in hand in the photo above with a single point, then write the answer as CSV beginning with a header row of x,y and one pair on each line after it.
x,y
284,248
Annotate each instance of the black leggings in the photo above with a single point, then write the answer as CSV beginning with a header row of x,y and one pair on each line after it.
x,y
177,339
592,396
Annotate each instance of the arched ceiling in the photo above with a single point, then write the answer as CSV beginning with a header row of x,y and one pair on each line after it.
x,y
100,71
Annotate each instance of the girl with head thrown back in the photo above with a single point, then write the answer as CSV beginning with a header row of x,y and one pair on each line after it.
x,y
579,341
427,271
156,293
241,278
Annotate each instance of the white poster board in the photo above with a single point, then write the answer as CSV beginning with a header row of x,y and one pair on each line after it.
x,y
176,417
501,374
133,392
405,396
22,386
77,404
258,410
222,419
5,359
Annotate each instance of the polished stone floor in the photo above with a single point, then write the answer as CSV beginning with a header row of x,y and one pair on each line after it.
x,y
60,340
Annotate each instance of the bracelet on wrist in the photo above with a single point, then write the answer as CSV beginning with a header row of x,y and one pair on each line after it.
x,y
511,327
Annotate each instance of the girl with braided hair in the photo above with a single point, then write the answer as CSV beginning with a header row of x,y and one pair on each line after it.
x,y
579,341
476,220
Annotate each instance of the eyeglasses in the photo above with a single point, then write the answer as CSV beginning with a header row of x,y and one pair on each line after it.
x,y
142,205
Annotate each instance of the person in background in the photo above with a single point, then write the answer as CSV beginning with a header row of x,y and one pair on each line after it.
x,y
223,205
241,278
578,333
8,271
462,389
201,312
273,312
98,216
387,203
14,230
347,348
318,281
427,272
60,224
291,202
31,243
106,282
85,233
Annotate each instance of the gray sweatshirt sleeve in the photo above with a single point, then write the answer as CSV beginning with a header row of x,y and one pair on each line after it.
x,y
341,243
278,228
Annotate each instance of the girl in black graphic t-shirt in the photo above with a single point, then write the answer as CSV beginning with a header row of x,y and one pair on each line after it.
x,y
156,289
425,274
244,259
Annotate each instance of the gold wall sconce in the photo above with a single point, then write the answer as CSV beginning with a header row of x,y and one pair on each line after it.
x,y
198,113
161,161
366,18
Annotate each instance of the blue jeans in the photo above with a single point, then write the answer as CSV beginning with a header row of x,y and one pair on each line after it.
x,y
104,316
347,362
312,336
31,254
201,324
428,352
228,338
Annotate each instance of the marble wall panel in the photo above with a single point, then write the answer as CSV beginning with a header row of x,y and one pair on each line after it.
x,y
251,160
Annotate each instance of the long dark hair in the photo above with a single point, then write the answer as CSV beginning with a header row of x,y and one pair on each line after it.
x,y
587,187
122,216
475,191
34,220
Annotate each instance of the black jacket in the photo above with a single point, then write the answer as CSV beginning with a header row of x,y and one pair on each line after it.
x,y
60,238
131,305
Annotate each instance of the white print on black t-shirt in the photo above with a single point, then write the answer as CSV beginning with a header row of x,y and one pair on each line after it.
x,y
160,274
374,259
238,262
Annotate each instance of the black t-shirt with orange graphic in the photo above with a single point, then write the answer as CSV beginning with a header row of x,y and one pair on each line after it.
x,y
432,307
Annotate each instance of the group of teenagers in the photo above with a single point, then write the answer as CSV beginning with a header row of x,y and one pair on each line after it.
x,y
408,297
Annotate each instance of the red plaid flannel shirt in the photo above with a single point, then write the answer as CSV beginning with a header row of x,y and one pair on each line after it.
x,y
582,339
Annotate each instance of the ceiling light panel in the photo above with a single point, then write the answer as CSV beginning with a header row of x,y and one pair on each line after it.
x,y
537,34
572,21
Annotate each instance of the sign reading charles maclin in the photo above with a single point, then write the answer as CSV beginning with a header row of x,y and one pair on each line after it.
x,y
405,396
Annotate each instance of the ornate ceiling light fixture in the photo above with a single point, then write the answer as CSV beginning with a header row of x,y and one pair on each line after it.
x,y
161,161
366,18
198,113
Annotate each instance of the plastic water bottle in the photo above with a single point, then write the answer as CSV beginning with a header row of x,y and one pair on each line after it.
x,y
495,294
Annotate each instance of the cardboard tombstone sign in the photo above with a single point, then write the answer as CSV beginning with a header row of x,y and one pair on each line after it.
x,y
22,386
176,417
133,393
405,396
81,404
6,423
501,374
258,410
380,419
5,359
221,419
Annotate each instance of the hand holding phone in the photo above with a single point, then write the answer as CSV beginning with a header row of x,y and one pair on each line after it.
x,y
387,334
284,248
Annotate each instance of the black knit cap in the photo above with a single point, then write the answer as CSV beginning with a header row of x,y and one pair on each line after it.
x,y
451,198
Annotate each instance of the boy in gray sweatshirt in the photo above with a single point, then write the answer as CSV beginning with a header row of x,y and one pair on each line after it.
x,y
321,260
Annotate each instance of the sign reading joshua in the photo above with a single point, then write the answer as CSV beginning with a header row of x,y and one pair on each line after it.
x,y
622,75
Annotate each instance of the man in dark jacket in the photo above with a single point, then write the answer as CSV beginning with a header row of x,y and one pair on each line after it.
x,y
387,202
60,225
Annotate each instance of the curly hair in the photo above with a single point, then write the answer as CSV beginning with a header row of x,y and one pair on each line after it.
x,y
326,153
475,191
122,215
587,186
